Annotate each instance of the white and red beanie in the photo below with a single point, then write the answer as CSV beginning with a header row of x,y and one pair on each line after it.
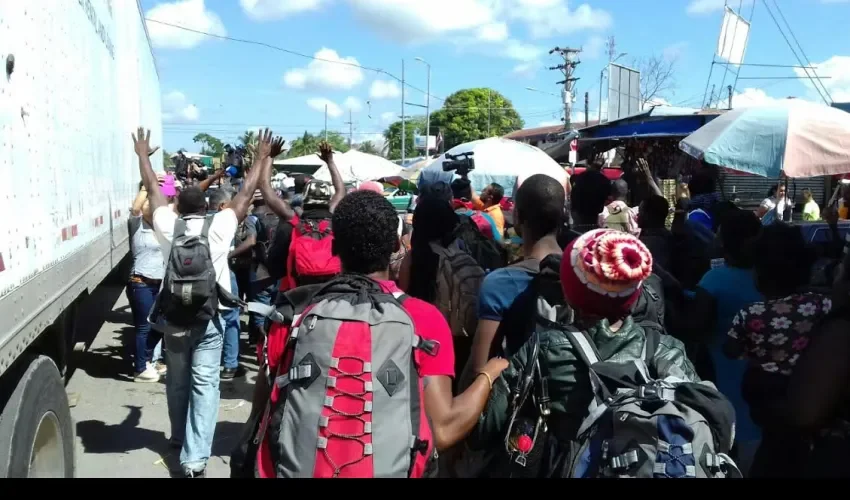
x,y
602,272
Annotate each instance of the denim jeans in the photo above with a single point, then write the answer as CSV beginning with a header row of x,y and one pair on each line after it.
x,y
263,296
232,327
142,298
192,391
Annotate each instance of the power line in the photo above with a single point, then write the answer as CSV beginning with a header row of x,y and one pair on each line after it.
x,y
793,51
294,53
802,52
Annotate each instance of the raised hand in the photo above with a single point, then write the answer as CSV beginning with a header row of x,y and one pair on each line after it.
x,y
326,152
142,143
277,146
264,144
643,167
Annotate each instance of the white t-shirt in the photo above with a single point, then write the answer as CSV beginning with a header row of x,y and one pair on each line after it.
x,y
222,230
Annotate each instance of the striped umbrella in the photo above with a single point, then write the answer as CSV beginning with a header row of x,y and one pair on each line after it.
x,y
793,137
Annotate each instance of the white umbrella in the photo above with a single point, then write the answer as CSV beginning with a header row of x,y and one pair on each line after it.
x,y
358,167
498,160
311,160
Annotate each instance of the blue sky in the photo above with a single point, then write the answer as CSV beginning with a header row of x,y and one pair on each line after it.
x,y
223,87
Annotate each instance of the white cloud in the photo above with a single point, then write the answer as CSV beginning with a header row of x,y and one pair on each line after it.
x,y
352,104
191,14
388,117
838,85
177,109
319,103
750,97
547,18
702,7
415,21
493,32
326,72
526,70
594,47
521,51
271,10
384,89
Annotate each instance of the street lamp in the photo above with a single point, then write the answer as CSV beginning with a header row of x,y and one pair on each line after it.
x,y
427,108
601,79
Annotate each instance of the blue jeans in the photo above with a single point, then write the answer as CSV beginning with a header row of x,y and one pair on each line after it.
x,y
232,327
142,298
263,296
192,391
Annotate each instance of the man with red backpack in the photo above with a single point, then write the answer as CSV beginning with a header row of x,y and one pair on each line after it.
x,y
301,251
356,377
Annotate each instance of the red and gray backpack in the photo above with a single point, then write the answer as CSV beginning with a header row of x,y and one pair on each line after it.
x,y
346,399
311,260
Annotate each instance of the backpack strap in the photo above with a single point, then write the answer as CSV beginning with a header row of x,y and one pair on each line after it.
x,y
205,231
179,228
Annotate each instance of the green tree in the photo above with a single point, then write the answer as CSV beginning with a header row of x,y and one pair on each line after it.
x,y
248,139
167,162
393,137
473,114
309,143
369,148
210,146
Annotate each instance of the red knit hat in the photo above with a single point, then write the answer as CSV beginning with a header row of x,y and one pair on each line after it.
x,y
602,271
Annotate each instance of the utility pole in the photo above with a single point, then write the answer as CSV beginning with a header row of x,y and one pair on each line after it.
x,y
587,109
403,130
350,124
427,108
729,88
568,69
488,112
326,123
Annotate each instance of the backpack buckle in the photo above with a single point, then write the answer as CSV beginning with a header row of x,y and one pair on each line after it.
x,y
429,347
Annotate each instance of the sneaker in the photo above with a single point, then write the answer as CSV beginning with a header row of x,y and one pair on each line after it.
x,y
228,374
160,368
150,375
195,474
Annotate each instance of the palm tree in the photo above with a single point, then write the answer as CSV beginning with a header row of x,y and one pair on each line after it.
x,y
368,147
248,139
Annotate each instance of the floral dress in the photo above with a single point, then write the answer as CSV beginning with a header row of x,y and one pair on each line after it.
x,y
774,333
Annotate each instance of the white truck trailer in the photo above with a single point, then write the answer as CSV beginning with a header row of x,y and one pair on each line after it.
x,y
76,77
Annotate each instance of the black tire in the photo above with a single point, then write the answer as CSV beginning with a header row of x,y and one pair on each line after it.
x,y
37,408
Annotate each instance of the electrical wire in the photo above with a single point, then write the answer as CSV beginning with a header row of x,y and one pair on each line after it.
x,y
294,53
802,52
799,59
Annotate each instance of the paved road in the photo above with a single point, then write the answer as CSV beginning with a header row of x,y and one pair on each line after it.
x,y
122,427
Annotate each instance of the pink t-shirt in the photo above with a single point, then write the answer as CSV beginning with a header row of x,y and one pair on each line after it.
x,y
428,322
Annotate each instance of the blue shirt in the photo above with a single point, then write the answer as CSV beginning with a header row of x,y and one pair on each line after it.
x,y
733,289
505,296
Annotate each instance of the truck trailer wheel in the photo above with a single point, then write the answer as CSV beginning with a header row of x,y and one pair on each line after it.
x,y
36,429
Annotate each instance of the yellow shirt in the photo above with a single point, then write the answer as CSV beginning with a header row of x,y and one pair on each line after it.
x,y
495,212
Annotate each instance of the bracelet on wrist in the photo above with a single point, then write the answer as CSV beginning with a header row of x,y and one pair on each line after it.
x,y
489,378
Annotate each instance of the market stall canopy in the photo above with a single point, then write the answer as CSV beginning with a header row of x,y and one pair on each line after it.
x,y
311,160
496,160
792,137
657,121
358,167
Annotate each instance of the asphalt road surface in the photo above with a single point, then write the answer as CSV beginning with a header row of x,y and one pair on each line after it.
x,y
122,427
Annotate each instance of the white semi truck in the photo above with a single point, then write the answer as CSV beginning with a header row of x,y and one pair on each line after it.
x,y
76,77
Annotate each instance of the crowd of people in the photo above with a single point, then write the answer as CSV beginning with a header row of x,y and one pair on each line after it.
x,y
611,345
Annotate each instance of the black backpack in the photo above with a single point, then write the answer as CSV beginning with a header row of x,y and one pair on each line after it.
x,y
190,292
489,254
267,223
